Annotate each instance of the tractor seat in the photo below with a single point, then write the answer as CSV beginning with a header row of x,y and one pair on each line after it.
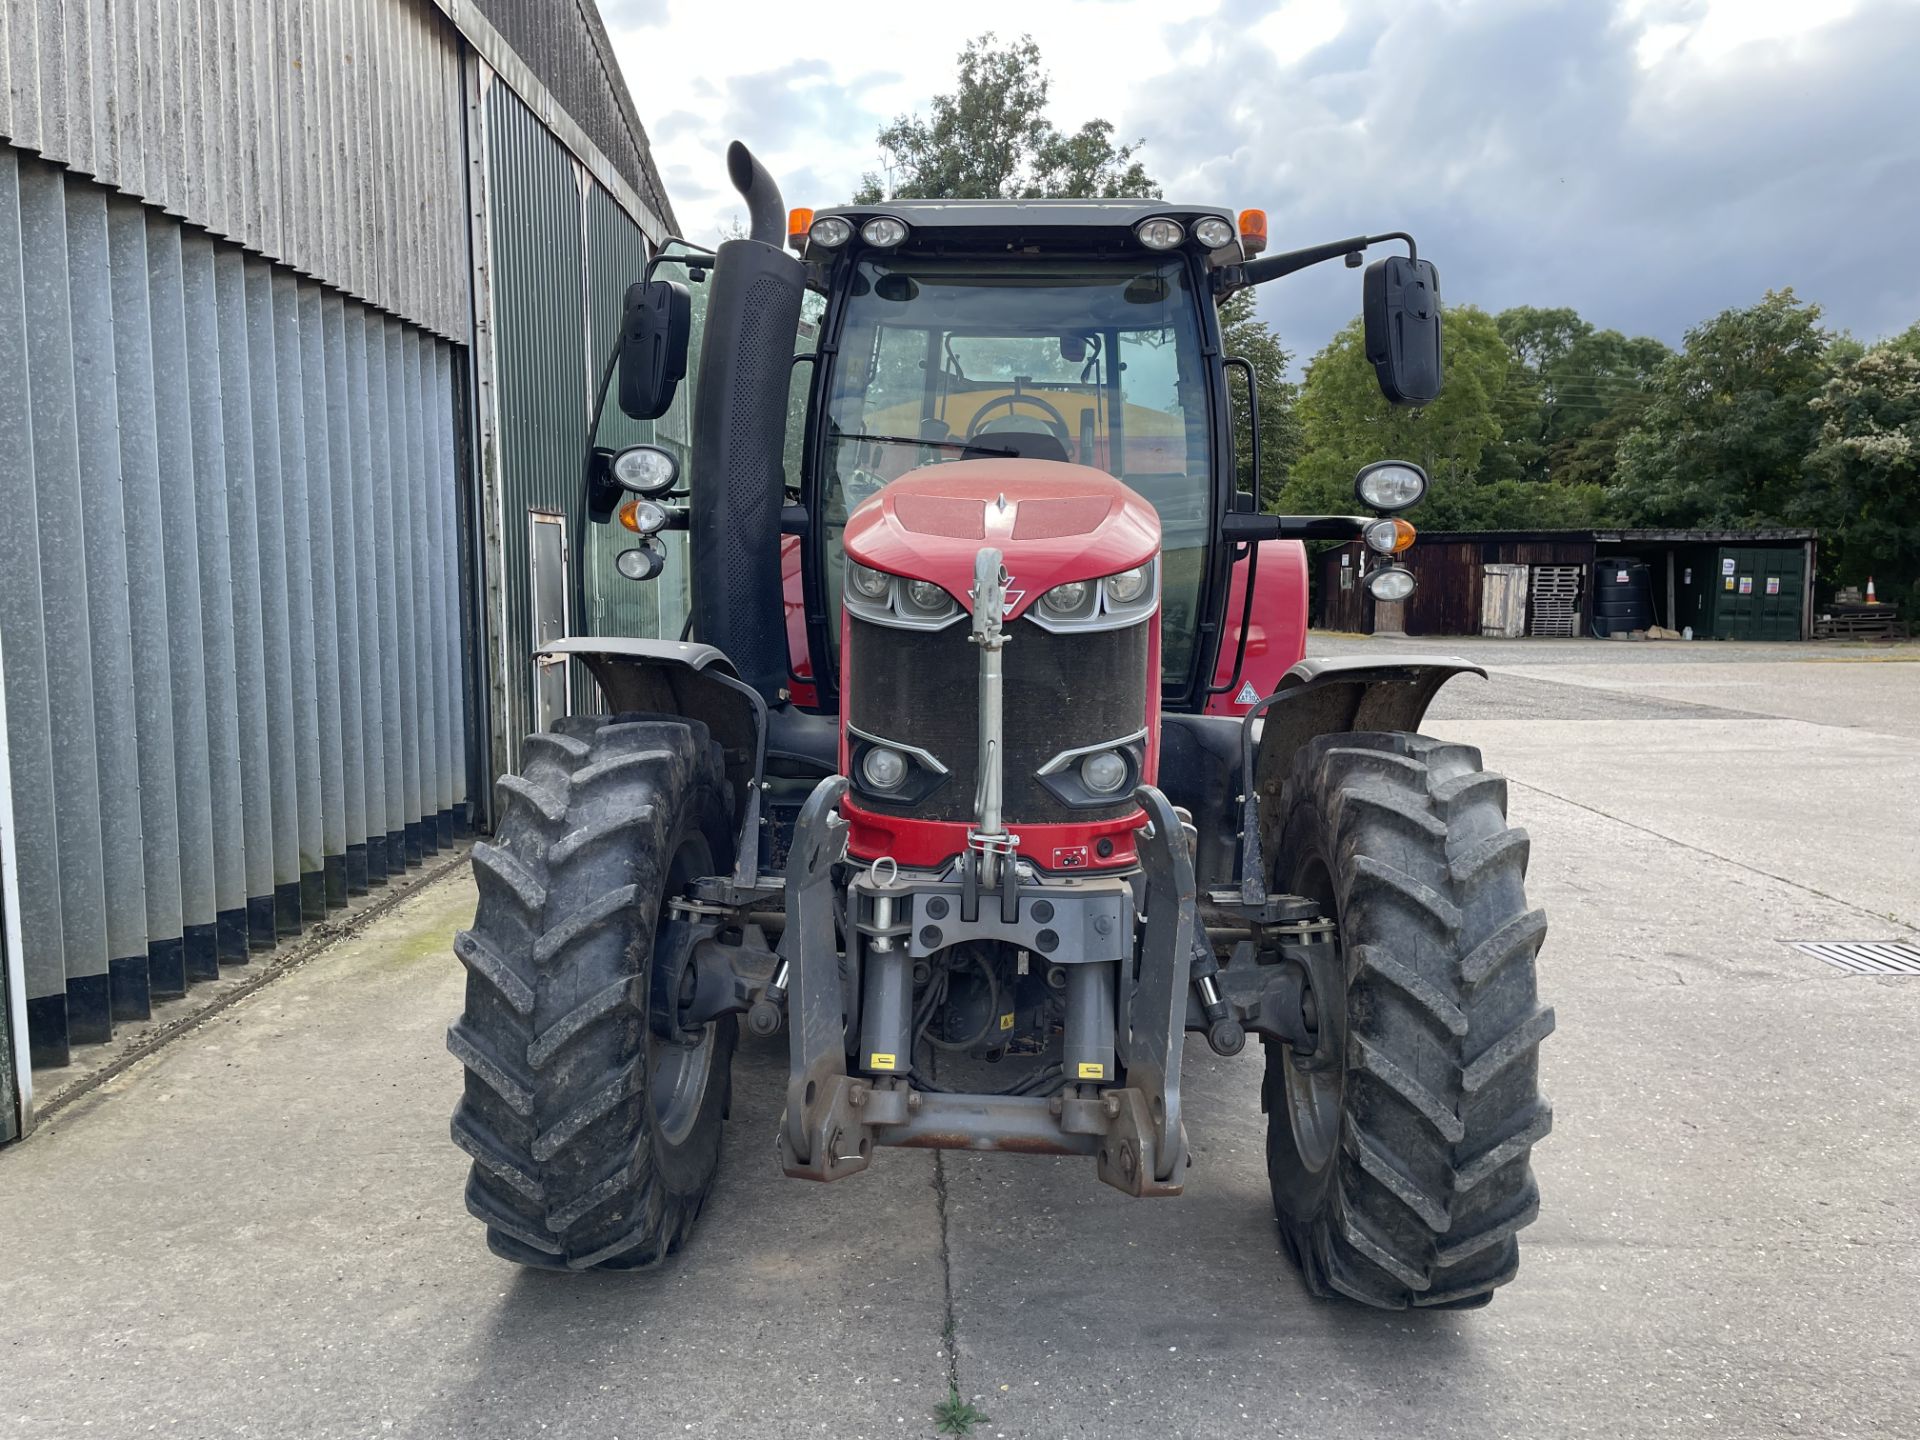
x,y
1026,444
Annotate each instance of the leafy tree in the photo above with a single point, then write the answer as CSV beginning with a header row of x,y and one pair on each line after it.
x,y
1244,334
991,138
1567,382
1730,421
1863,477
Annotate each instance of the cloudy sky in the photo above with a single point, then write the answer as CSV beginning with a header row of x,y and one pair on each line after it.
x,y
1648,162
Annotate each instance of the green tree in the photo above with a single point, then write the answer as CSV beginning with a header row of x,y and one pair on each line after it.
x,y
1730,420
1863,478
1571,393
1245,335
991,138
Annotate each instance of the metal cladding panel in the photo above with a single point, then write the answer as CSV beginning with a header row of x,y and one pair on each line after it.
x,y
204,713
309,131
143,529
541,363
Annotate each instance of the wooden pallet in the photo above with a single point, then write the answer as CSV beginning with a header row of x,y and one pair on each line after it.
x,y
1865,622
1553,600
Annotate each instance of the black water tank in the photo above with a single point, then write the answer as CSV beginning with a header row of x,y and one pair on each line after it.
x,y
1622,596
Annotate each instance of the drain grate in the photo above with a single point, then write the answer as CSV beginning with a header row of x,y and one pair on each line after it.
x,y
1865,957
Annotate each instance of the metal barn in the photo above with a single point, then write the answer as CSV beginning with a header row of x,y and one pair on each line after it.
x,y
298,312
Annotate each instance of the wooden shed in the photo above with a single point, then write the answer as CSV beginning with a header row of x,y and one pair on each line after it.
x,y
1725,584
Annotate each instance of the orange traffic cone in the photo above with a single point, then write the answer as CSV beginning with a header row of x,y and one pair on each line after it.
x,y
1872,599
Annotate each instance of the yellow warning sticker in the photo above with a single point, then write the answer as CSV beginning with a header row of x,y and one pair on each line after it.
x,y
1006,1021
1092,1072
880,1060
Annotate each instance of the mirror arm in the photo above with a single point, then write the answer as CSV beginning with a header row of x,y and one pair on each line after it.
x,y
1251,529
1272,267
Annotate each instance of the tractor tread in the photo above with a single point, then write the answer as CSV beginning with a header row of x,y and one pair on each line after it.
x,y
570,1167
1424,1196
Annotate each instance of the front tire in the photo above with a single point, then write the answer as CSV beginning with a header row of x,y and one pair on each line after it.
x,y
594,1139
1401,1166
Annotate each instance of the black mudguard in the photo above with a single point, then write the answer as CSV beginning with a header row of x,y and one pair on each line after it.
x,y
1324,697
694,682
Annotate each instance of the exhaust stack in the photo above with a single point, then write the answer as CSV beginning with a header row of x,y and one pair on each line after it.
x,y
739,431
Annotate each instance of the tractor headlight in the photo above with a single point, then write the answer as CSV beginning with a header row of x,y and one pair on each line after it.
x,y
1129,585
1104,771
1390,484
1390,583
883,232
1213,232
927,598
831,231
884,768
873,584
1071,601
1160,234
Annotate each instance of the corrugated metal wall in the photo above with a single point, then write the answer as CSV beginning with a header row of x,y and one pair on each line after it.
x,y
562,254
324,134
229,595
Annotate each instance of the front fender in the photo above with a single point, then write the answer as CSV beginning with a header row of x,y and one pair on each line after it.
x,y
1329,696
693,682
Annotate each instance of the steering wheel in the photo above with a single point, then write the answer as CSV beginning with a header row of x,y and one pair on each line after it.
x,y
1055,420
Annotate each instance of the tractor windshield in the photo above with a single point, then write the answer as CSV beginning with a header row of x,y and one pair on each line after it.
x,y
1096,362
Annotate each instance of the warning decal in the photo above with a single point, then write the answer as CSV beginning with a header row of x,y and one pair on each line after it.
x,y
1248,695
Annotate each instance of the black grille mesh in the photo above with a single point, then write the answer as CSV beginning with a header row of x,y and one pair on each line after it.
x,y
1061,691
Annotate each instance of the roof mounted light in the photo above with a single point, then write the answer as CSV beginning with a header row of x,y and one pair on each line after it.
x,y
883,232
799,222
831,231
1213,232
1159,233
1253,231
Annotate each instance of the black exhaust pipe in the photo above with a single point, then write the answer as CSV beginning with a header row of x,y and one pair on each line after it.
x,y
766,211
739,433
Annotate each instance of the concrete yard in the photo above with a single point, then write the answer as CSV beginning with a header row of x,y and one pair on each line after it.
x,y
257,1230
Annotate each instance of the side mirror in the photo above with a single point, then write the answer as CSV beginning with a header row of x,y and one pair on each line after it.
x,y
654,327
1403,328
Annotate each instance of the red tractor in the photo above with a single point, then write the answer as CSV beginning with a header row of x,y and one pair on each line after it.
x,y
1065,790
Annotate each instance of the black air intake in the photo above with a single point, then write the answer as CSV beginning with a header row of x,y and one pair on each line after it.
x,y
739,430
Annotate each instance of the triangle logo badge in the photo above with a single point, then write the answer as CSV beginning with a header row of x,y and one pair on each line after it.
x,y
1248,695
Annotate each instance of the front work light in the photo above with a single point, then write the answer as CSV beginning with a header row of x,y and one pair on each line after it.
x,y
1390,583
831,231
1159,234
1129,585
1213,232
883,232
643,562
645,470
1390,484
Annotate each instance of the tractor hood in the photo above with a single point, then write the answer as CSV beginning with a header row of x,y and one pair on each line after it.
x,y
1052,522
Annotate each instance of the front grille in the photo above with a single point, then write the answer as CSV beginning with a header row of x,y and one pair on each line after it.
x,y
1061,691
